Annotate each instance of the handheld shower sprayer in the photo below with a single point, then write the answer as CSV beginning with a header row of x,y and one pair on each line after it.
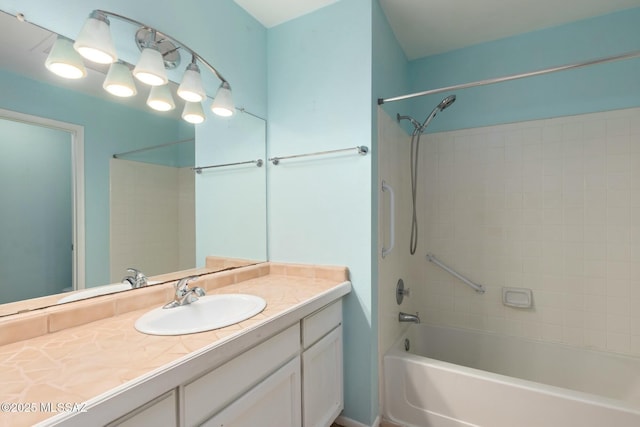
x,y
415,145
441,106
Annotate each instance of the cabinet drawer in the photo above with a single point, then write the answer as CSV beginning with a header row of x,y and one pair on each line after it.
x,y
215,390
320,323
159,412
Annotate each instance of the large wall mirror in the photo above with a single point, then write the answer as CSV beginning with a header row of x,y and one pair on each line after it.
x,y
128,193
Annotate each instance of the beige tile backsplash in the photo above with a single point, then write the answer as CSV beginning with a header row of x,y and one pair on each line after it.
x,y
24,326
552,205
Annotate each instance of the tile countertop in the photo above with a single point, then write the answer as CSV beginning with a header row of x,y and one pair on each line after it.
x,y
87,363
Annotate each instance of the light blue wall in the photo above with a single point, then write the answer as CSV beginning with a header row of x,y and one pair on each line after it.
x,y
35,212
231,202
319,68
109,128
596,88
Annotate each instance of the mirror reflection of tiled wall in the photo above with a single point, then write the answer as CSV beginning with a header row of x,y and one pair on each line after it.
x,y
152,218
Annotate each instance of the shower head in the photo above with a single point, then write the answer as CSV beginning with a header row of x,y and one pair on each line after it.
x,y
441,106
446,102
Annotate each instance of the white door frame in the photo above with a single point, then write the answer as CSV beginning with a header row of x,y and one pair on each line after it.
x,y
77,182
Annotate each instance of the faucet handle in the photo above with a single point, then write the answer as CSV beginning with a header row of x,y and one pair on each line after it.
x,y
133,271
184,282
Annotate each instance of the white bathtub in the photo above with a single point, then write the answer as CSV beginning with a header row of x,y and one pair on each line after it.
x,y
453,377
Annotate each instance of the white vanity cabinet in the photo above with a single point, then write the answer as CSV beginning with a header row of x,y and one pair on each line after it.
x,y
322,366
290,379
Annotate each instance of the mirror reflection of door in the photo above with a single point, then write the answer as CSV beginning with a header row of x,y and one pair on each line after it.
x,y
36,211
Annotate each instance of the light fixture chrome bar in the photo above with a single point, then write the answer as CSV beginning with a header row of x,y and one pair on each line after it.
x,y
362,150
477,287
182,45
613,58
153,147
199,169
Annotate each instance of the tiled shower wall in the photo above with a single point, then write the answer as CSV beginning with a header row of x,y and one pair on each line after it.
x,y
550,205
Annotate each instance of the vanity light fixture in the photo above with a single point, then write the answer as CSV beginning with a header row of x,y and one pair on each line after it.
x,y
119,81
150,68
223,102
159,52
94,41
64,61
191,87
160,98
193,113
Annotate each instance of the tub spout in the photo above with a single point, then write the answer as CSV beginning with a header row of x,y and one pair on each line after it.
x,y
405,317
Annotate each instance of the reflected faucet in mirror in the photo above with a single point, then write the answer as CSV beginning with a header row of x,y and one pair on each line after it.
x,y
137,280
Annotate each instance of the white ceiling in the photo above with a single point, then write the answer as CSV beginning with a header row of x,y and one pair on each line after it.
x,y
427,27
273,12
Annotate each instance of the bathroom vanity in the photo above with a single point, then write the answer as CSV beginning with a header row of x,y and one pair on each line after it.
x,y
282,367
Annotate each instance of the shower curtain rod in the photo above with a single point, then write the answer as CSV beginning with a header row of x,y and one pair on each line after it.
x,y
153,147
628,55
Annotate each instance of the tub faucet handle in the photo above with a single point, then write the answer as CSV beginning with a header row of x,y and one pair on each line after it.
x,y
401,291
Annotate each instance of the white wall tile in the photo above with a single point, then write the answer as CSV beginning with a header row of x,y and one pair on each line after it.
x,y
552,205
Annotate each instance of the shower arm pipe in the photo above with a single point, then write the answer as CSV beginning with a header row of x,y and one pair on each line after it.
x,y
614,58
178,42
476,287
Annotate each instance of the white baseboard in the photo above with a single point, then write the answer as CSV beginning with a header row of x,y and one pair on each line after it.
x,y
348,422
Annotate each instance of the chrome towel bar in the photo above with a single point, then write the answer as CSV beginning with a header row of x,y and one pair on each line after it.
x,y
362,150
199,169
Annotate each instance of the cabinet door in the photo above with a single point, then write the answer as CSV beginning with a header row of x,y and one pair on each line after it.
x,y
275,402
212,392
322,381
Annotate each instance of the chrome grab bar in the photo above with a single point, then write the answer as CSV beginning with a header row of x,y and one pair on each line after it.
x,y
477,287
392,219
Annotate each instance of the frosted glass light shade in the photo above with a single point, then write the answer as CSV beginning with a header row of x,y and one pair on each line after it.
x,y
160,98
94,41
150,68
64,61
193,113
223,102
191,89
119,81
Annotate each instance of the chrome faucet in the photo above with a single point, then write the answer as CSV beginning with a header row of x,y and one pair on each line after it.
x,y
405,317
137,280
184,294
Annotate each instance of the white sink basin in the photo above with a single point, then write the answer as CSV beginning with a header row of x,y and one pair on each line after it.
x,y
209,312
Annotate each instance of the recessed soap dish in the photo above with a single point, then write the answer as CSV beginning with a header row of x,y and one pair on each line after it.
x,y
517,297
